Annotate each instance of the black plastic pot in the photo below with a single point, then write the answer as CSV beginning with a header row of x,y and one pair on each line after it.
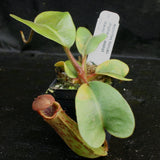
x,y
66,98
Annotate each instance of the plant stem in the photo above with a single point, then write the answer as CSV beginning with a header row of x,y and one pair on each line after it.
x,y
91,77
84,68
81,73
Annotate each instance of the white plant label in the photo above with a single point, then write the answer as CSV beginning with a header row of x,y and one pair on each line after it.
x,y
108,23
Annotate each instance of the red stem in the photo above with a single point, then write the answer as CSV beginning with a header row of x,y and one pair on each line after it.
x,y
91,76
78,68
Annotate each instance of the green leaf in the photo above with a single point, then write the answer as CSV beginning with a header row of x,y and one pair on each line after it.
x,y
69,69
98,107
59,64
56,26
94,42
82,38
114,68
85,42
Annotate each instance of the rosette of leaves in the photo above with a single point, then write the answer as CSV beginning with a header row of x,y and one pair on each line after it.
x,y
99,106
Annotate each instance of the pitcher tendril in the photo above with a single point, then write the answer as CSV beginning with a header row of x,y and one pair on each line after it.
x,y
29,38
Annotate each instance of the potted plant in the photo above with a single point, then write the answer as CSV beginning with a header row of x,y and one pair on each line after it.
x,y
99,106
